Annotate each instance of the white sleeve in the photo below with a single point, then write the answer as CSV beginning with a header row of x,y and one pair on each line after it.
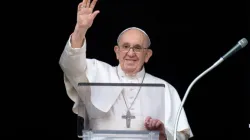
x,y
183,124
77,68
73,61
179,135
73,64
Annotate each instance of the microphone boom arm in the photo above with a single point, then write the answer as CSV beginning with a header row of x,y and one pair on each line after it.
x,y
241,44
187,92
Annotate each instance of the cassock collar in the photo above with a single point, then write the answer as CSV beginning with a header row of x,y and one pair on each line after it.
x,y
138,75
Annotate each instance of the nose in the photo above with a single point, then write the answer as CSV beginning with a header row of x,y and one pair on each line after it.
x,y
131,52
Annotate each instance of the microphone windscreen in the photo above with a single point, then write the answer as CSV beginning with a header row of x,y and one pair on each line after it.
x,y
243,42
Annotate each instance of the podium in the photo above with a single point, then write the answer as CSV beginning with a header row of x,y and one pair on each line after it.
x,y
119,135
123,126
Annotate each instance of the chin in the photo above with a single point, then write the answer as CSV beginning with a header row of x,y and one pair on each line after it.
x,y
130,66
130,69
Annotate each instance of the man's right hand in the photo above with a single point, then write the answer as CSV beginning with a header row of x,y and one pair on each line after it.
x,y
85,18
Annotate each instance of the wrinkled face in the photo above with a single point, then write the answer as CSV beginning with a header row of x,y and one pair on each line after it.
x,y
132,51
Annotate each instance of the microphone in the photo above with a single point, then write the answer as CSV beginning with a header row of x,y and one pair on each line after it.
x,y
241,44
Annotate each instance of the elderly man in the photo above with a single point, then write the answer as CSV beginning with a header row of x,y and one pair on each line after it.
x,y
132,51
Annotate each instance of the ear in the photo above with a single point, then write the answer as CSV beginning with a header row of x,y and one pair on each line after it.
x,y
116,49
149,53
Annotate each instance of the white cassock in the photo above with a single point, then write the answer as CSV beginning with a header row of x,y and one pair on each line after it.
x,y
103,110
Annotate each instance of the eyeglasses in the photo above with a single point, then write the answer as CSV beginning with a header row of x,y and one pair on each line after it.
x,y
135,48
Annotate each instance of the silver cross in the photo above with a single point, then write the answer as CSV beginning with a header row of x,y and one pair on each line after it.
x,y
128,118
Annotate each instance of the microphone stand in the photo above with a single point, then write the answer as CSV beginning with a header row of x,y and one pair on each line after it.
x,y
187,92
241,44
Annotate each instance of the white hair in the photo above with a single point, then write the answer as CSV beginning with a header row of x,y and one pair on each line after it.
x,y
149,42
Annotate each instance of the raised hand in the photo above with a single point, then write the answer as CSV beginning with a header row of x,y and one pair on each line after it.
x,y
85,18
85,14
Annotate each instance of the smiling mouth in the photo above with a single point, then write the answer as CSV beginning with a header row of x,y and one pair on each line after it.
x,y
130,60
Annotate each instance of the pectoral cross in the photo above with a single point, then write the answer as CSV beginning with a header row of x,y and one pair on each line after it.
x,y
128,118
